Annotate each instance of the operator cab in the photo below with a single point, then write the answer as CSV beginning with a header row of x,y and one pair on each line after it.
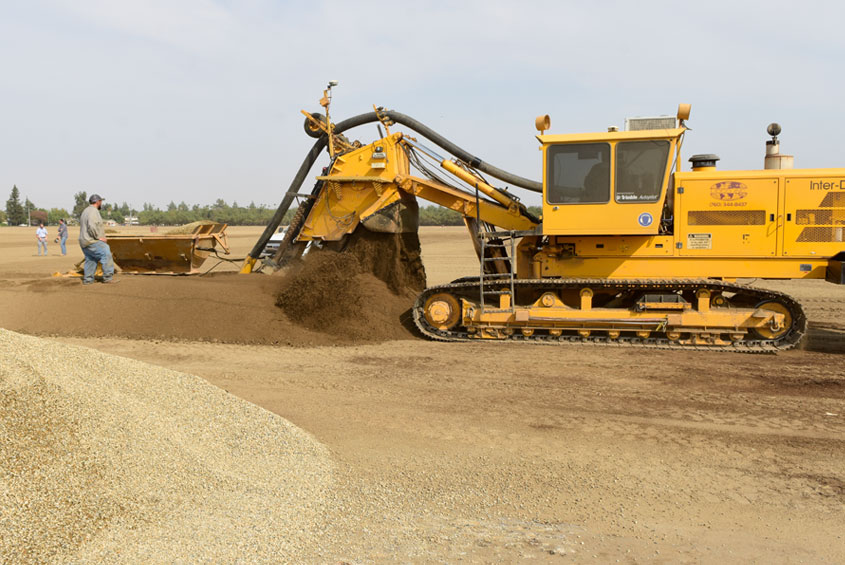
x,y
607,183
579,173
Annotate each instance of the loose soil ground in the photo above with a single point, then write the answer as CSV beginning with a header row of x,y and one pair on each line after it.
x,y
498,452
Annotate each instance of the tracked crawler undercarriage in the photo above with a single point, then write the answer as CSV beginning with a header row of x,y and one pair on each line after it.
x,y
644,313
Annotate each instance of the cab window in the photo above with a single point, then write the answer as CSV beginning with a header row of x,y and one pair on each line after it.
x,y
640,167
578,173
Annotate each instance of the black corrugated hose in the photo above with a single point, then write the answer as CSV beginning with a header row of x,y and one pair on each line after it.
x,y
371,117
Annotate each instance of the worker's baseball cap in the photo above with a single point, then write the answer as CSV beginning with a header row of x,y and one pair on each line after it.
x,y
95,198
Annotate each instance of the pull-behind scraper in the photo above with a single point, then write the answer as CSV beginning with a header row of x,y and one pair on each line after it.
x,y
629,250
175,251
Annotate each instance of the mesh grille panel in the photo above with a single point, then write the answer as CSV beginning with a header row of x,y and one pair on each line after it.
x,y
826,225
833,200
820,217
726,217
822,235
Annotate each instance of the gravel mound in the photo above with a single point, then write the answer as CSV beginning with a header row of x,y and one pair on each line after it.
x,y
105,459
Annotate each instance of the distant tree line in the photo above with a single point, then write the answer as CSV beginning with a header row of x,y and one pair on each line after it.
x,y
439,216
179,214
252,215
16,213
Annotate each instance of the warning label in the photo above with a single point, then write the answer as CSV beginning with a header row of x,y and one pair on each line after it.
x,y
699,241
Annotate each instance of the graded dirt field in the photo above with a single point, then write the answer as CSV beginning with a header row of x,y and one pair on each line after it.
x,y
493,452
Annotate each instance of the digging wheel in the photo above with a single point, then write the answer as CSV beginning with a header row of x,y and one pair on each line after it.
x,y
442,311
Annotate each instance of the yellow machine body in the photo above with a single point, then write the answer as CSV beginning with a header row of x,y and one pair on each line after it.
x,y
783,224
628,248
372,185
359,184
588,190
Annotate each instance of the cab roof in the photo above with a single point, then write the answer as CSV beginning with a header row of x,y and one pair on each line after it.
x,y
612,136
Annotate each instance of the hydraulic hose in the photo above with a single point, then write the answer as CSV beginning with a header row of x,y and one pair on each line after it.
x,y
368,118
310,158
461,154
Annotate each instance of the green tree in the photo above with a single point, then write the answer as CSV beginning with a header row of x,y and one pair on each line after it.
x,y
80,203
3,217
14,210
180,214
150,216
56,214
438,216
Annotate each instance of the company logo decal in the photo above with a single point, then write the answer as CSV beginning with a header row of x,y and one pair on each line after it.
x,y
826,185
728,190
645,219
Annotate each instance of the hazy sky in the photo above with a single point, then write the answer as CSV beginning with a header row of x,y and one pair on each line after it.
x,y
160,100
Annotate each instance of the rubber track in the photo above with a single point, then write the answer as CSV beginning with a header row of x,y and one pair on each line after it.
x,y
469,288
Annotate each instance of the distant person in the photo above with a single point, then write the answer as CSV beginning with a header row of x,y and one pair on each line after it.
x,y
92,240
41,237
63,236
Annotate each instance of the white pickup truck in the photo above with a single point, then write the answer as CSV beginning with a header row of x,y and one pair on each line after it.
x,y
274,242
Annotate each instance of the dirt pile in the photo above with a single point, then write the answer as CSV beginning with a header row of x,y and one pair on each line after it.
x,y
363,293
105,459
392,258
228,308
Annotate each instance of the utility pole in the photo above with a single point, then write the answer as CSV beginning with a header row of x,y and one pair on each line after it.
x,y
28,218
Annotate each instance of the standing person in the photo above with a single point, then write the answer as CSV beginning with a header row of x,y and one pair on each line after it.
x,y
63,236
41,236
92,240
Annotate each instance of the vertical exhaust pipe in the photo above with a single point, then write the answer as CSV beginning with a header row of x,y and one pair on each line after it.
x,y
774,159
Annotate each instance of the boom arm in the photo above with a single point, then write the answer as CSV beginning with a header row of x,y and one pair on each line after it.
x,y
435,192
465,203
368,185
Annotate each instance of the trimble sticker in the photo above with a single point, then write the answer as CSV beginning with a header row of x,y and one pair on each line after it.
x,y
699,241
